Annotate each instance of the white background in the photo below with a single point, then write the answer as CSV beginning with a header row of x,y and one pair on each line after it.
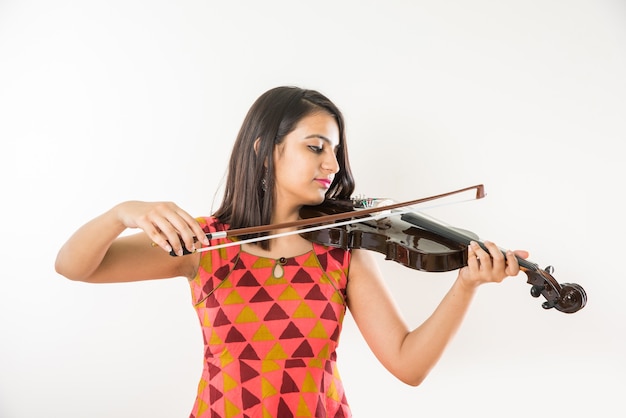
x,y
102,102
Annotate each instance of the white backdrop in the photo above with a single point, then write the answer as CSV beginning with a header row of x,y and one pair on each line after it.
x,y
107,101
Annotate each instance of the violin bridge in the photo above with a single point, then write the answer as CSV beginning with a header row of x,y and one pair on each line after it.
x,y
361,202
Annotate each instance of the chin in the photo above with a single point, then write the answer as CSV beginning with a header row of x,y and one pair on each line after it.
x,y
316,201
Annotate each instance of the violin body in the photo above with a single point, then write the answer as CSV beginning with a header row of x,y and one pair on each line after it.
x,y
423,243
397,240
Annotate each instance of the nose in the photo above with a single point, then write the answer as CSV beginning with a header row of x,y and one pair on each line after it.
x,y
330,163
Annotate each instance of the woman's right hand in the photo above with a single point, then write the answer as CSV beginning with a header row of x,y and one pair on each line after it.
x,y
166,224
96,252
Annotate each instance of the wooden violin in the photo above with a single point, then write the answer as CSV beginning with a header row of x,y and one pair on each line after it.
x,y
421,242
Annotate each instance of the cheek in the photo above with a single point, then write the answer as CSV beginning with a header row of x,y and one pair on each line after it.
x,y
291,162
285,169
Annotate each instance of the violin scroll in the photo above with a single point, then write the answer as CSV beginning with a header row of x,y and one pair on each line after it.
x,y
565,297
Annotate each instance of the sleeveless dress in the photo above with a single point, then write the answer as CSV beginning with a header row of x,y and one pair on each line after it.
x,y
270,328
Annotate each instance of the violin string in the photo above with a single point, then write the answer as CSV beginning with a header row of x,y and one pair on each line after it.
x,y
525,263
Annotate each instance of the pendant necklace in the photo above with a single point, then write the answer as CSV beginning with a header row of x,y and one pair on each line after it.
x,y
279,271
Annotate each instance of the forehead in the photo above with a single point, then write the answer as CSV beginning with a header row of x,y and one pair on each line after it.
x,y
319,125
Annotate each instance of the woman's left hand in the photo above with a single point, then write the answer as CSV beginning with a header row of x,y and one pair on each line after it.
x,y
489,266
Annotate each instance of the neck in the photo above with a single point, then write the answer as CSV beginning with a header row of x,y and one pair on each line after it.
x,y
282,215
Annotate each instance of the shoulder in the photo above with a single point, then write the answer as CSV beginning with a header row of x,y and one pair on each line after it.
x,y
363,264
332,255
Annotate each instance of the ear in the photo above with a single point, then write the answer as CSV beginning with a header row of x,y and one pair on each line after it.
x,y
257,144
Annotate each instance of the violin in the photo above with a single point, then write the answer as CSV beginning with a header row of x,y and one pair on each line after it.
x,y
415,240
424,243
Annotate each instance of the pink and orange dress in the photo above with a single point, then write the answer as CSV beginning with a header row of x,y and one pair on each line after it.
x,y
271,329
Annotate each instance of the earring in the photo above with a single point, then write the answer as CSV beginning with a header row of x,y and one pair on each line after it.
x,y
264,181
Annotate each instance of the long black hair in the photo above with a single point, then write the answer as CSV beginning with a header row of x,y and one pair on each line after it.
x,y
249,190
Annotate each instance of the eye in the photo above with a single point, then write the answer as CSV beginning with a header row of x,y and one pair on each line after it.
x,y
316,149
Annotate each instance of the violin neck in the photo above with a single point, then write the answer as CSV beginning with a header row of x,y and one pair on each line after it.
x,y
458,235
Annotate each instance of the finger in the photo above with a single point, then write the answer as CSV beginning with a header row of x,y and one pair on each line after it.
x,y
483,257
184,235
512,264
479,261
158,240
195,227
188,230
472,257
498,260
523,254
167,232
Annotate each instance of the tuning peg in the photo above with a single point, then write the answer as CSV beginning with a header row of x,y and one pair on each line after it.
x,y
549,269
535,291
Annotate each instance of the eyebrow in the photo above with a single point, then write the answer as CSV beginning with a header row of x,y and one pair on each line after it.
x,y
322,137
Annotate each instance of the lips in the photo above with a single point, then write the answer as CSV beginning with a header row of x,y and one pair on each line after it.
x,y
324,182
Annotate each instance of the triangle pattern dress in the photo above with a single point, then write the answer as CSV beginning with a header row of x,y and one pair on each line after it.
x,y
271,329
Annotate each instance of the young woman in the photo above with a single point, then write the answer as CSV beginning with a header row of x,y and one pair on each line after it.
x,y
271,311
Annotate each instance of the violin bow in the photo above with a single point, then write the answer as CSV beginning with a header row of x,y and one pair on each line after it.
x,y
323,221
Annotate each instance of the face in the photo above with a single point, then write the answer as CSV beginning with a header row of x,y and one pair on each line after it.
x,y
306,161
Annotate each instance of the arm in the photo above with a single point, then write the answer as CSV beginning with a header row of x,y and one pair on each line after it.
x,y
95,253
411,354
